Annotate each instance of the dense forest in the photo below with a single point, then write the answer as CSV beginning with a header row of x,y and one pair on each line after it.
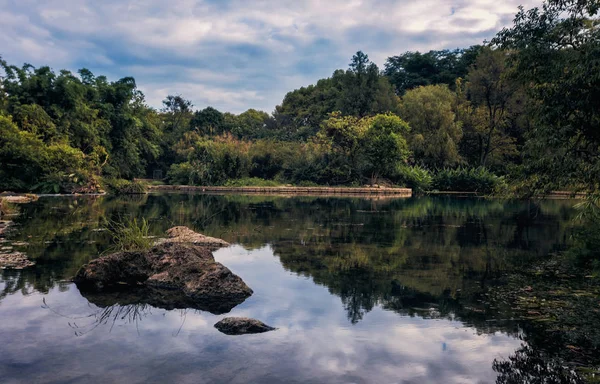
x,y
521,110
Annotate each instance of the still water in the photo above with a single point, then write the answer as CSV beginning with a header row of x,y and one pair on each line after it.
x,y
361,291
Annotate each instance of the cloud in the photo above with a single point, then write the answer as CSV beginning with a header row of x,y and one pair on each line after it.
x,y
314,341
236,54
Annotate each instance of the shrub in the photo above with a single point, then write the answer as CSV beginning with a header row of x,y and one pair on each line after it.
x,y
417,178
467,180
125,187
183,174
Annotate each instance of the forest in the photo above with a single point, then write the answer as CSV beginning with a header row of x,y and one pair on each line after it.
x,y
518,114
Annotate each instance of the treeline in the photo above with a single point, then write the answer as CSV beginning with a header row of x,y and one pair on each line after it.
x,y
441,119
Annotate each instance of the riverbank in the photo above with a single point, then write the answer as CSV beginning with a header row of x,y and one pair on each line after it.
x,y
295,191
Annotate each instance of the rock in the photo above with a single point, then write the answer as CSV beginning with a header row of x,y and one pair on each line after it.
x,y
19,199
170,275
4,226
15,260
186,235
242,326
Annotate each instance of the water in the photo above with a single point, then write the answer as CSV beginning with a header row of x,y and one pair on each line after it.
x,y
361,291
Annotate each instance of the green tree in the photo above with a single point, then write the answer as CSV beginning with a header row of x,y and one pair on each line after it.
x,y
555,51
487,109
435,136
385,145
208,121
414,69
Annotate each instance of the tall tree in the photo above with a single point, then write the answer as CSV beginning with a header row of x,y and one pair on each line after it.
x,y
435,136
555,50
414,69
491,91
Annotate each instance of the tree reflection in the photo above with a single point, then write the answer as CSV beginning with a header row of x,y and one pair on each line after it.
x,y
529,366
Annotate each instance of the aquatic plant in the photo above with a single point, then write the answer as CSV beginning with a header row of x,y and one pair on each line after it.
x,y
129,235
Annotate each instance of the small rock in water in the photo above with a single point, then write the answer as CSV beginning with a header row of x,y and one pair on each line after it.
x,y
242,326
15,260
186,235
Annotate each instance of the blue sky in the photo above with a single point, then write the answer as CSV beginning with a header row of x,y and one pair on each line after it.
x,y
236,54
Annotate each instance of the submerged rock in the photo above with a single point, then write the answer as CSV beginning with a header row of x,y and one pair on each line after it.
x,y
14,260
186,235
242,326
169,275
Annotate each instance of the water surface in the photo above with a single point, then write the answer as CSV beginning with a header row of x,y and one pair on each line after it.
x,y
361,291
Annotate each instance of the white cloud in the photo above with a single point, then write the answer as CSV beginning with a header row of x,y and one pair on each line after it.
x,y
254,47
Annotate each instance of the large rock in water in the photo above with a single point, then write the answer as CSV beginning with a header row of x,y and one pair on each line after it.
x,y
242,326
170,275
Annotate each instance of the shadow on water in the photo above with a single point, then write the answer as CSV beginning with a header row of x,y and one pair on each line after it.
x,y
431,258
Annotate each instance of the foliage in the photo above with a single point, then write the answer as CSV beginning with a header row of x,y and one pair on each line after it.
x,y
435,132
384,145
467,180
488,110
554,50
359,91
129,235
417,178
183,174
28,163
125,187
252,182
414,69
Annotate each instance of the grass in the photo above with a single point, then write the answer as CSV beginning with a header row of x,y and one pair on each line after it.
x,y
129,235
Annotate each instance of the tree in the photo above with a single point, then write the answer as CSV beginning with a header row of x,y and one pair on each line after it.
x,y
361,83
385,145
435,131
414,69
344,137
486,115
250,124
359,91
554,51
208,121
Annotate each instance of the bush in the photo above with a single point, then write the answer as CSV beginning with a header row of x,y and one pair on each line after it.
x,y
125,187
467,180
251,182
183,174
417,178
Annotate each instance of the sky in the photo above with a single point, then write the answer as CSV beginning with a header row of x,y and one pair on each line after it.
x,y
236,54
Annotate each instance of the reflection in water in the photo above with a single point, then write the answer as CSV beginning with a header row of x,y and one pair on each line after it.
x,y
361,291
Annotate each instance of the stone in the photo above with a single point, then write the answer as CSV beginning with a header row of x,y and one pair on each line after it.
x,y
19,199
15,260
186,235
169,275
242,326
